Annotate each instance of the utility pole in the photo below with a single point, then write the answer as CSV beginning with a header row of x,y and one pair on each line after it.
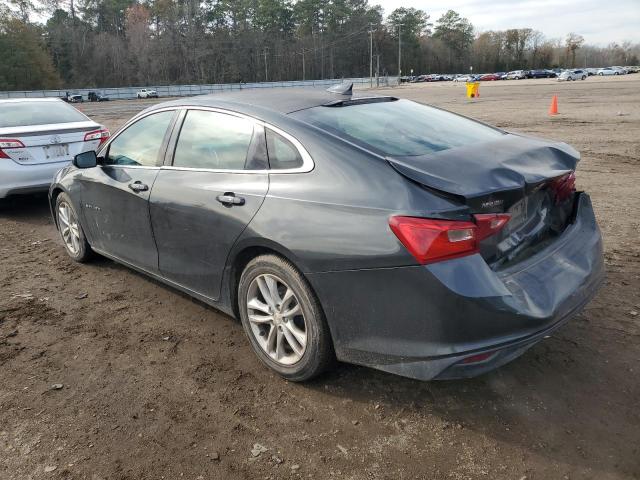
x,y
371,55
399,52
322,54
378,70
266,69
303,66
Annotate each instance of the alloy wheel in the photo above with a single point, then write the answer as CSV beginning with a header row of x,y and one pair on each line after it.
x,y
69,228
276,319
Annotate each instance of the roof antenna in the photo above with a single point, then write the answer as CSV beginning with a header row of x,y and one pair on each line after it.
x,y
342,88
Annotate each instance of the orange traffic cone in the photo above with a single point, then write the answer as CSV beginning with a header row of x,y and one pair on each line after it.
x,y
553,109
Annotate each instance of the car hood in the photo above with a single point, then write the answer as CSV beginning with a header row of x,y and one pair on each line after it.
x,y
492,174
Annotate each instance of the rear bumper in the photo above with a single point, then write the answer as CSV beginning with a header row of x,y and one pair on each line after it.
x,y
16,178
422,321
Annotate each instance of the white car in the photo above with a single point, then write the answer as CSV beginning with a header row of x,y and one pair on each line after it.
x,y
147,93
569,75
38,137
516,75
606,71
464,78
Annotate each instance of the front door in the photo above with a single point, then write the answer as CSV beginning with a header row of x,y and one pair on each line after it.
x,y
115,195
202,203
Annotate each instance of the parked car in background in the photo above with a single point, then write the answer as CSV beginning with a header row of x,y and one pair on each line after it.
x,y
569,75
37,138
97,97
622,70
464,78
540,74
147,93
332,226
74,98
517,75
633,69
607,71
591,71
489,77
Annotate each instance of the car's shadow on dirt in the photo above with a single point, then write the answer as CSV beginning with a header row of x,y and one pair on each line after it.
x,y
30,209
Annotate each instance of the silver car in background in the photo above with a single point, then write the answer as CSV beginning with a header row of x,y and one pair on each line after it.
x,y
570,75
38,137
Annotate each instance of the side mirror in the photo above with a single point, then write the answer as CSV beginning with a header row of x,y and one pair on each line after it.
x,y
86,160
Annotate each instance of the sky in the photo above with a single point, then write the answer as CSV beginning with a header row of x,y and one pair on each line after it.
x,y
600,22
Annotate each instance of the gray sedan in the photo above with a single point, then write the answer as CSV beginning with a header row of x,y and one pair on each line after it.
x,y
366,229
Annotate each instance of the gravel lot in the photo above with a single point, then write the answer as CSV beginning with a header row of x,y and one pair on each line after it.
x,y
156,385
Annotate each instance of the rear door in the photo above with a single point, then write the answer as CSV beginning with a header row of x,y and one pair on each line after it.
x,y
201,202
115,195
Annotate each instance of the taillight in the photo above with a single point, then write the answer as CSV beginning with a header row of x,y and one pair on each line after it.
x,y
564,187
490,223
430,240
6,143
101,135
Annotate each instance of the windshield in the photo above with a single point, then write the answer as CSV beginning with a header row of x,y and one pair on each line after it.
x,y
18,114
399,128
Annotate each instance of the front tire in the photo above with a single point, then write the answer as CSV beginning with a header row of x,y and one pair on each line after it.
x,y
73,238
283,319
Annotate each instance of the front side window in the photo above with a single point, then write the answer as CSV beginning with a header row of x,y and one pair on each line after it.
x,y
212,140
139,144
283,154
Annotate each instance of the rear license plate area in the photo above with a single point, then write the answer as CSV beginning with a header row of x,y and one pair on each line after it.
x,y
518,215
56,151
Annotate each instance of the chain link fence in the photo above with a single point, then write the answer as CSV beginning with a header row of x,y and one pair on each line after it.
x,y
126,93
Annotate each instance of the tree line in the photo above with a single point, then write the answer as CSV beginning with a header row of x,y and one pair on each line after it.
x,y
110,43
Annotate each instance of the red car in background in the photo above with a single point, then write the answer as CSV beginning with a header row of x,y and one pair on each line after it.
x,y
489,77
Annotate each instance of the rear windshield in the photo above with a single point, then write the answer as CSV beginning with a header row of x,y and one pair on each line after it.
x,y
399,128
18,114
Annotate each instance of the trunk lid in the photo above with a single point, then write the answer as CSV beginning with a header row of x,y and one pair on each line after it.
x,y
514,174
49,143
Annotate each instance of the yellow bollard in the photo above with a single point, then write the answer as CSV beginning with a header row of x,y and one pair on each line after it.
x,y
473,89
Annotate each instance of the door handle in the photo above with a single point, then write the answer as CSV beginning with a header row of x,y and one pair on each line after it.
x,y
138,187
229,199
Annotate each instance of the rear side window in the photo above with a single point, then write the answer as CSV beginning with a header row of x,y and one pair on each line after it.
x,y
213,140
19,114
139,144
283,154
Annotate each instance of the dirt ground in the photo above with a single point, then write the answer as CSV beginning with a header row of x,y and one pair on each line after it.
x,y
158,386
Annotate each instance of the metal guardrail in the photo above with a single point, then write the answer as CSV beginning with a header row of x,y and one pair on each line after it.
x,y
126,93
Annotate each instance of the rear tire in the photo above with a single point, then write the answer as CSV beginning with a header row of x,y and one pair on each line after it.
x,y
73,237
297,346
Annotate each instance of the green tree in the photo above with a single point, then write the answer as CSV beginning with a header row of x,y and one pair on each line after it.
x,y
413,23
456,33
26,63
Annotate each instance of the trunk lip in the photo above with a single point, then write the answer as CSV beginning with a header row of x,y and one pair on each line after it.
x,y
49,129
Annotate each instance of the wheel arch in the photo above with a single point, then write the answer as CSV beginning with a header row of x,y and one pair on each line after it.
x,y
54,193
245,251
